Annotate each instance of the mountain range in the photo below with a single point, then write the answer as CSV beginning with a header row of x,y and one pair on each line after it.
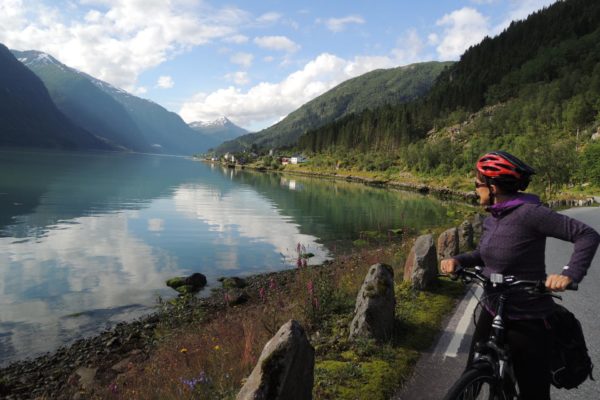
x,y
371,90
29,117
125,121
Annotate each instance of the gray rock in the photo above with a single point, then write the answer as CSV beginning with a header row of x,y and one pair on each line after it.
x,y
375,305
236,297
285,369
465,237
196,280
86,377
421,265
477,223
190,284
233,282
447,244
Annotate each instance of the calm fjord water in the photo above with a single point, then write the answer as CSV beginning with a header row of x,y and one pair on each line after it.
x,y
87,240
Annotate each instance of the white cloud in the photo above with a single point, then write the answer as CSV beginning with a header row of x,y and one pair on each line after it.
x,y
520,9
268,59
116,40
269,17
462,29
433,39
409,49
239,78
243,59
339,24
236,39
165,82
266,102
280,43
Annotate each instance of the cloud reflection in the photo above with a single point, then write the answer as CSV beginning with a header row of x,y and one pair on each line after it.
x,y
244,212
90,265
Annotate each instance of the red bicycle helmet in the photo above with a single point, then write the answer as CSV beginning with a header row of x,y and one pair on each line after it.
x,y
501,167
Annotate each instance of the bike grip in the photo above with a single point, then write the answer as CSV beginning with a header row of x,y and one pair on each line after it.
x,y
573,286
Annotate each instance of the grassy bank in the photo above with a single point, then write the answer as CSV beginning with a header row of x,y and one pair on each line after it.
x,y
210,354
374,168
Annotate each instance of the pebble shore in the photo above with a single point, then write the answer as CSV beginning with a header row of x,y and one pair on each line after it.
x,y
72,372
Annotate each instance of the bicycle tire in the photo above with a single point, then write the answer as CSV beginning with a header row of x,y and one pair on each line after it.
x,y
476,384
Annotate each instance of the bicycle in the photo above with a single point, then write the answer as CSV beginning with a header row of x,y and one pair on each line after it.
x,y
490,375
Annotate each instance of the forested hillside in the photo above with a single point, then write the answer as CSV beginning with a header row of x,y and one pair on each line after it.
x,y
533,90
368,91
29,118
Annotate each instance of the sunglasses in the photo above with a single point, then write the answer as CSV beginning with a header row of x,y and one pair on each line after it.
x,y
478,185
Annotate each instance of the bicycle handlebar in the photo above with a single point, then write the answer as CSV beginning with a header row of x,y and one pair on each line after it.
x,y
470,274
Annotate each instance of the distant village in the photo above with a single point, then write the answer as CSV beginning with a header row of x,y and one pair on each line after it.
x,y
271,160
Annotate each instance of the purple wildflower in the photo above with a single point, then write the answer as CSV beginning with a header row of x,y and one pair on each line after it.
x,y
113,388
191,383
272,284
261,293
310,288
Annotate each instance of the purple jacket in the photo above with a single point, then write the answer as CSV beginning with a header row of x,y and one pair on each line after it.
x,y
514,243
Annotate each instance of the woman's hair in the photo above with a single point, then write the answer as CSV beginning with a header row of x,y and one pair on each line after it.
x,y
505,187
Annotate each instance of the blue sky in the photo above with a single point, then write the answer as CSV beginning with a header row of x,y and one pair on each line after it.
x,y
253,61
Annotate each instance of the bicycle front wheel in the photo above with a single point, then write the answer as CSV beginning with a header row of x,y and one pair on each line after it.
x,y
477,384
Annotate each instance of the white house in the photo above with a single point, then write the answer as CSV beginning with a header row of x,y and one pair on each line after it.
x,y
297,159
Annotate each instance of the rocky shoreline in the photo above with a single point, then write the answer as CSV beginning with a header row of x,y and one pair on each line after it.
x,y
75,370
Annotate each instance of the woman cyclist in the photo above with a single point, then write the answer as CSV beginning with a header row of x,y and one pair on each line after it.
x,y
513,243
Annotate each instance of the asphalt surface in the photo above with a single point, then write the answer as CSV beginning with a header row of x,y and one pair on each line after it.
x,y
439,367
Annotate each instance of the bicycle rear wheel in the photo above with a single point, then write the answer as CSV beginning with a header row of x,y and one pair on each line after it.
x,y
476,384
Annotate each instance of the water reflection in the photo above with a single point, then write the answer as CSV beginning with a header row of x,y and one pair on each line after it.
x,y
87,240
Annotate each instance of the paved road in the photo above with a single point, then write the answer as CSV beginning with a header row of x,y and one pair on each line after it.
x,y
440,367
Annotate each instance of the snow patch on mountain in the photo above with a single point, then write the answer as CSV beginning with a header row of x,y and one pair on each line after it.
x,y
219,122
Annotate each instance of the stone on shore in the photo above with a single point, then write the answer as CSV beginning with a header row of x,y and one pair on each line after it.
x,y
477,223
233,282
375,305
285,369
465,236
421,265
189,284
447,244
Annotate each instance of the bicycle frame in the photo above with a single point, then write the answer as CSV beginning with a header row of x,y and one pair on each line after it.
x,y
494,354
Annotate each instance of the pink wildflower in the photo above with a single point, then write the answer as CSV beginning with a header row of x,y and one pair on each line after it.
x,y
272,284
304,262
310,288
299,262
261,293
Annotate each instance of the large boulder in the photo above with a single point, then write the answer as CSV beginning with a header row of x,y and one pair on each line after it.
x,y
189,284
421,265
465,236
375,305
233,282
447,244
285,369
477,223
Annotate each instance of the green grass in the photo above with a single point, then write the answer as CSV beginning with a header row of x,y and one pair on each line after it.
x,y
367,371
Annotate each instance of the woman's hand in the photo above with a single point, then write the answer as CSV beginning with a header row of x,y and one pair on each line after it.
x,y
558,283
448,265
